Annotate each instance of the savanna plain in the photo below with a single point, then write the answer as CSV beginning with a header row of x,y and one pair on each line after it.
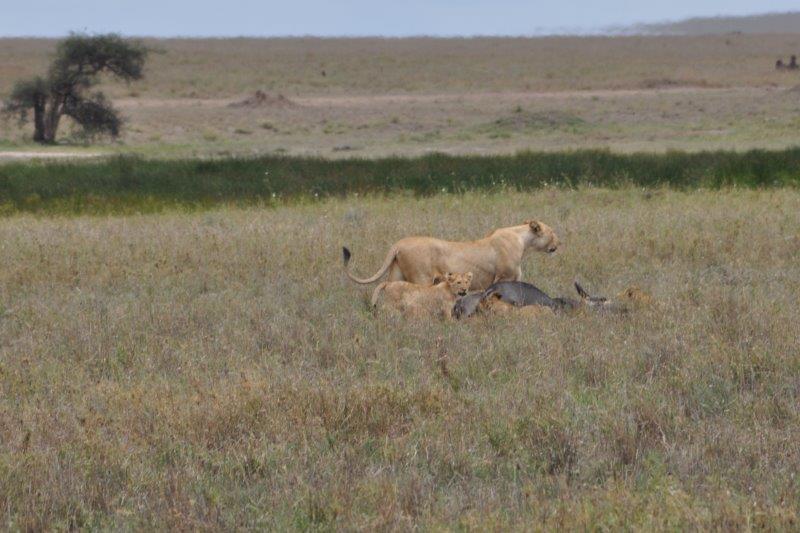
x,y
376,97
195,360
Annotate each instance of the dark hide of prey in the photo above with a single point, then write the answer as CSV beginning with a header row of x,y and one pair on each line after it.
x,y
520,294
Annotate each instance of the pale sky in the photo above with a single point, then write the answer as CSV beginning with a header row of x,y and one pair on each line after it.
x,y
167,18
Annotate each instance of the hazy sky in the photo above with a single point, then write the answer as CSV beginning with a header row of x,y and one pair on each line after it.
x,y
353,17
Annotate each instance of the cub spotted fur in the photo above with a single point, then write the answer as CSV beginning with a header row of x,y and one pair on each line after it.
x,y
420,301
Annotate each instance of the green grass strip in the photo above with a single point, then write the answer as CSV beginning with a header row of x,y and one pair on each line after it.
x,y
130,184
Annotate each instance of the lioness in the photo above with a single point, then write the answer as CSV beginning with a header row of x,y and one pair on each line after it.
x,y
423,300
496,257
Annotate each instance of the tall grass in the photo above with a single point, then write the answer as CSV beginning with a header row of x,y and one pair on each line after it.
x,y
124,184
216,371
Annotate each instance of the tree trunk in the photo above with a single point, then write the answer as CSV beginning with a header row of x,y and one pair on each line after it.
x,y
51,119
38,118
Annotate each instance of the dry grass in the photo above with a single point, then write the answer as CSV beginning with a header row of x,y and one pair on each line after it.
x,y
452,95
191,68
215,370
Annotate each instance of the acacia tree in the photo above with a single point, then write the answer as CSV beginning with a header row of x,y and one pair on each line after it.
x,y
79,61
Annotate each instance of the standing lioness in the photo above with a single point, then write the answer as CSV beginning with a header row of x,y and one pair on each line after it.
x,y
494,258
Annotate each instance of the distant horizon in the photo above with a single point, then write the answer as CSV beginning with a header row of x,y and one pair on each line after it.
x,y
360,19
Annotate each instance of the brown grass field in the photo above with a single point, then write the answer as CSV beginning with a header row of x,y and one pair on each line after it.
x,y
215,370
412,96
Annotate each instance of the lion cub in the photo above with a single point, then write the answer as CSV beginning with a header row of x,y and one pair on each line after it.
x,y
420,301
636,297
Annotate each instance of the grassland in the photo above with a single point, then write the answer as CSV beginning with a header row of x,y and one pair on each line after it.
x,y
215,370
382,97
189,68
179,348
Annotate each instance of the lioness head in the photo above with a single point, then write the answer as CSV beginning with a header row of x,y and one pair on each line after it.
x,y
544,239
458,283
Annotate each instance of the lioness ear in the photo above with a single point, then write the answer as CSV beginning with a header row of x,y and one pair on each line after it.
x,y
535,226
437,280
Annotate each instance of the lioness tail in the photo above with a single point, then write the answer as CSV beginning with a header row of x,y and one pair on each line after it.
x,y
346,255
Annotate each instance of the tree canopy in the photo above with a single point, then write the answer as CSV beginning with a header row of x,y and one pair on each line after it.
x,y
64,90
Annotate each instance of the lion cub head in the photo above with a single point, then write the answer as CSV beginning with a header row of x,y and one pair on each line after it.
x,y
458,284
635,296
544,239
631,298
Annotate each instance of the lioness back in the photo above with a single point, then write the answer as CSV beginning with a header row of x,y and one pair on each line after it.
x,y
496,257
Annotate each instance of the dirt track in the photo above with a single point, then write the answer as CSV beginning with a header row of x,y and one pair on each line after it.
x,y
686,117
472,97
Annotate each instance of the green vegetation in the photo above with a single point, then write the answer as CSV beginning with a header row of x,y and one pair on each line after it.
x,y
129,184
527,121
